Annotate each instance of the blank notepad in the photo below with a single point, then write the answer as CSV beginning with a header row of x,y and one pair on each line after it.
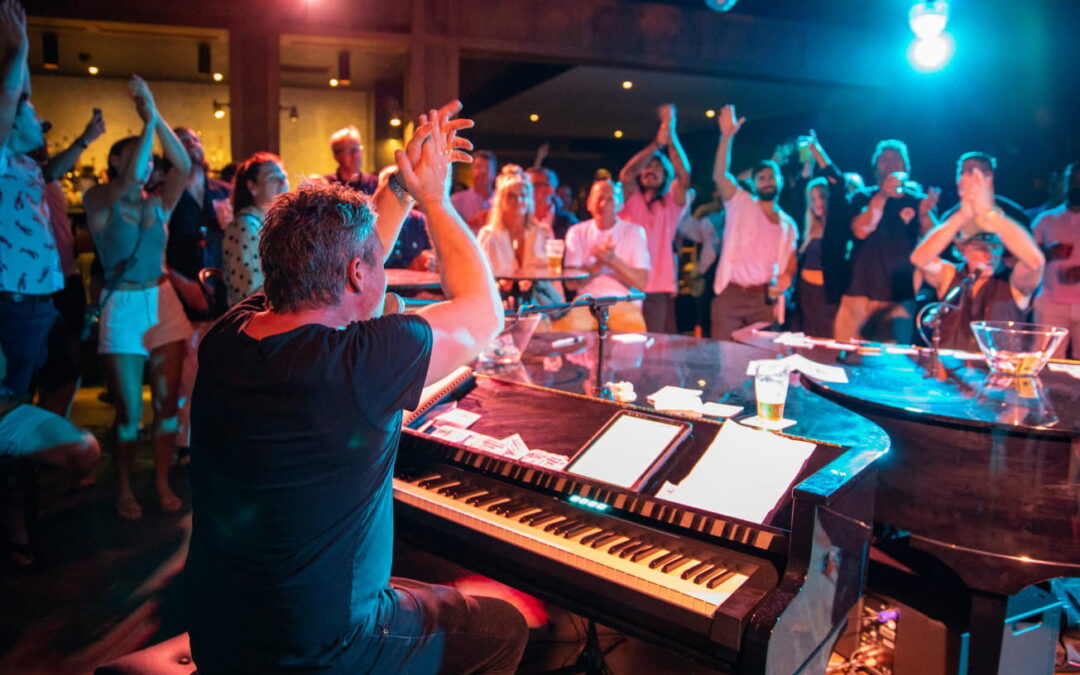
x,y
744,473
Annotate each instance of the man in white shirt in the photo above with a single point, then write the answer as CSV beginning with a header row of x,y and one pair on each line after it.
x,y
757,260
477,198
616,255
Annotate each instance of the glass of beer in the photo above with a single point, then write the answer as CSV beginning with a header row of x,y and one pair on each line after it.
x,y
770,390
555,250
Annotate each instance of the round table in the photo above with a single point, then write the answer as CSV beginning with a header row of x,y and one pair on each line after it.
x,y
411,280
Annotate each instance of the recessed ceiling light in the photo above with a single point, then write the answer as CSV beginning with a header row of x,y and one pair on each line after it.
x,y
618,133
334,82
710,113
218,77
627,84
534,117
395,122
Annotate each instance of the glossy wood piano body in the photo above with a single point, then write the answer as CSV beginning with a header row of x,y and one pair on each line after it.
x,y
744,597
980,495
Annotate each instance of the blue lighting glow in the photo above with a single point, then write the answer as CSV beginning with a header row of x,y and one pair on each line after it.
x,y
592,504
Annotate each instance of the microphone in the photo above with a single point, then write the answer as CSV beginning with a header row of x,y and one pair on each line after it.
x,y
956,292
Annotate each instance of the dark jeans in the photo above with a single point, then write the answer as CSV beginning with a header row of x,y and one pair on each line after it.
x,y
24,332
659,311
816,314
737,307
429,629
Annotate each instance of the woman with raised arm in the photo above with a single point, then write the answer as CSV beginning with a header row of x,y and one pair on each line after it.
x,y
141,315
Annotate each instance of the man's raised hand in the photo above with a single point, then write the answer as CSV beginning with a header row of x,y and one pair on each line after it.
x,y
12,25
729,123
424,164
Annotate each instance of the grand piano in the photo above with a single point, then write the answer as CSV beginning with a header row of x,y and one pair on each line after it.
x,y
738,595
978,501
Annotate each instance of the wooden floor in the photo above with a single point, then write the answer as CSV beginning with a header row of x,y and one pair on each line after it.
x,y
104,587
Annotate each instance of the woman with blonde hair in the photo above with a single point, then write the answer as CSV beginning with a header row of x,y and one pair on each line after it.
x,y
816,313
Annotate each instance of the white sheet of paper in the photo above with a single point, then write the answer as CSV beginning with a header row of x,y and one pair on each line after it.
x,y
670,390
744,473
1067,368
713,409
817,370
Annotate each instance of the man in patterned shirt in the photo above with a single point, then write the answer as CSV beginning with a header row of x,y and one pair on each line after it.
x,y
29,263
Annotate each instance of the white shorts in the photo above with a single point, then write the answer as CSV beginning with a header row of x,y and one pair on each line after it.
x,y
139,321
28,429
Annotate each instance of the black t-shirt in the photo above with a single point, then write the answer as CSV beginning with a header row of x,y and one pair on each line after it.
x,y
881,266
994,302
196,240
294,438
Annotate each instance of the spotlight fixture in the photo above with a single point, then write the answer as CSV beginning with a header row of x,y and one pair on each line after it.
x,y
710,113
618,133
395,121
219,109
534,117
218,77
627,84
50,51
93,70
334,82
928,19
85,57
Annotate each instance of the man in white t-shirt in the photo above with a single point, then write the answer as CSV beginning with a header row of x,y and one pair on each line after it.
x,y
757,260
1057,231
616,255
477,198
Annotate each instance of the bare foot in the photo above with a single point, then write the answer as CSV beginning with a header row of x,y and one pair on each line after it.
x,y
170,503
127,507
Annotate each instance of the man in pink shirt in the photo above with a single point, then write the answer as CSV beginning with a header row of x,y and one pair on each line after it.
x,y
1057,231
657,185
757,258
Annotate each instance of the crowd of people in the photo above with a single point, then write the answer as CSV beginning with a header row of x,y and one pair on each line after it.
x,y
302,271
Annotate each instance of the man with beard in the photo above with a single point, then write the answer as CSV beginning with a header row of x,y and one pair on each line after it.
x,y
657,184
879,303
1058,232
757,261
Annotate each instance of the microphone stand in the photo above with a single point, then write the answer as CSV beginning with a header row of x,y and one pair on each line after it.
x,y
599,307
949,303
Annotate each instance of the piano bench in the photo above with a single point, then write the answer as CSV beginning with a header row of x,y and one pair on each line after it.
x,y
171,657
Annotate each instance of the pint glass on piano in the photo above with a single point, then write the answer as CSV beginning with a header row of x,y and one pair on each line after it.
x,y
770,390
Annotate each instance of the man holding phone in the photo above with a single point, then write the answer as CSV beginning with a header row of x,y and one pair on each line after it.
x,y
879,303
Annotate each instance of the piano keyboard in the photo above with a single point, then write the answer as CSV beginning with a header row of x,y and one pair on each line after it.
x,y
673,570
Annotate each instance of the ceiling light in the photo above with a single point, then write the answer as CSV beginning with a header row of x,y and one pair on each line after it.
x,y
219,110
395,121
93,70
618,133
534,117
627,84
334,82
929,55
928,19
710,113
294,113
218,77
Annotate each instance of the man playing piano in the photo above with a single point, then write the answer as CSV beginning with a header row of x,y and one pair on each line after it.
x,y
296,419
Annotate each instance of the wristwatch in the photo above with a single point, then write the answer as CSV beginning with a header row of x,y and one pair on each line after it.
x,y
81,142
397,188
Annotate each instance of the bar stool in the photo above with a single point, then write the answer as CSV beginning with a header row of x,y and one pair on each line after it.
x,y
171,657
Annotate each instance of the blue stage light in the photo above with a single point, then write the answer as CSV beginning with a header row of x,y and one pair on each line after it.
x,y
931,54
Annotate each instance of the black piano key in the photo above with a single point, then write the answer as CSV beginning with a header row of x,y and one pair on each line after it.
x,y
628,550
559,528
502,507
642,553
519,510
675,564
666,558
481,500
614,550
530,518
720,578
713,570
537,522
435,483
589,538
575,531
695,570
600,541
555,523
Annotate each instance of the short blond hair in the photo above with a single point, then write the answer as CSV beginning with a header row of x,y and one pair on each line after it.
x,y
349,133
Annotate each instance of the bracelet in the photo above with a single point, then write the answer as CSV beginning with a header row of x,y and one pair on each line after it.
x,y
81,142
397,188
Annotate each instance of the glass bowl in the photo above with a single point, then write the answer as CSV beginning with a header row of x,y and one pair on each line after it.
x,y
1014,348
507,347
